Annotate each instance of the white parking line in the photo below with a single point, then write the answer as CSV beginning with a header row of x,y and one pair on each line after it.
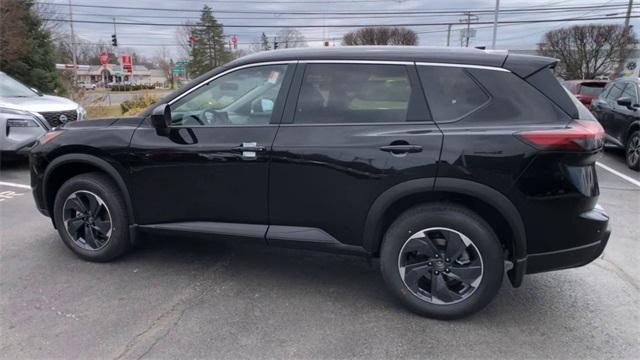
x,y
15,185
619,174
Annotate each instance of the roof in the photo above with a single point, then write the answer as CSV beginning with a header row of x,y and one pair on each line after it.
x,y
380,53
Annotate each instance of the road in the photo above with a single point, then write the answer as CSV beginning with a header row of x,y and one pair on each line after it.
x,y
181,298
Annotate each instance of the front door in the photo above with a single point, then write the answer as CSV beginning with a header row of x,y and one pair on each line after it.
x,y
213,166
352,131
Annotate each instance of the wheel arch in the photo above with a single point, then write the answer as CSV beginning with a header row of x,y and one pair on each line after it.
x,y
67,166
490,204
634,126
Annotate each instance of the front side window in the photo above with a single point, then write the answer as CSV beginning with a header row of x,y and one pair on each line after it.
x,y
451,92
353,93
243,97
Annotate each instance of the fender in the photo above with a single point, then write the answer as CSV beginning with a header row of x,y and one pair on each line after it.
x,y
634,125
97,162
490,196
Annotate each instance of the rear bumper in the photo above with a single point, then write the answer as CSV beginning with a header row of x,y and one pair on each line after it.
x,y
592,229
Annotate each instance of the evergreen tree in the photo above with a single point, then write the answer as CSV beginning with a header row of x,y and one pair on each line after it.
x,y
208,48
31,58
264,42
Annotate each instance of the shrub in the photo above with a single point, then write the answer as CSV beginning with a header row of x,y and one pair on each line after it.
x,y
135,87
137,104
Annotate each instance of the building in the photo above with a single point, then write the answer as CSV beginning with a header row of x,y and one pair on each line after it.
x,y
112,73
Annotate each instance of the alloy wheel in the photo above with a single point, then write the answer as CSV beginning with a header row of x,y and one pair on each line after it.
x,y
440,265
633,150
87,220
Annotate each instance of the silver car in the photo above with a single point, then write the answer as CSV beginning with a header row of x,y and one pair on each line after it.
x,y
26,114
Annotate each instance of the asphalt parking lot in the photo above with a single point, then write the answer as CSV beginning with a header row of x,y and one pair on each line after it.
x,y
185,298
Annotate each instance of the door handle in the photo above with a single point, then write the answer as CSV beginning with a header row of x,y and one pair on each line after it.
x,y
253,147
401,149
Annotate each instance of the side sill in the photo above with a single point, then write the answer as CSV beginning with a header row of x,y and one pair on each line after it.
x,y
299,237
217,230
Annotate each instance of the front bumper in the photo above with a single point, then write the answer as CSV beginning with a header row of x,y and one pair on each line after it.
x,y
592,228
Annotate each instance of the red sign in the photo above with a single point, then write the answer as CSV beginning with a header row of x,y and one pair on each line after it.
x,y
234,40
127,65
104,58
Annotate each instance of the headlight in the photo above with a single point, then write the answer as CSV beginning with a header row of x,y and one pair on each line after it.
x,y
22,123
82,113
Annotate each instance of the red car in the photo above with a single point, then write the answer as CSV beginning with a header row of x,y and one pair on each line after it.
x,y
586,90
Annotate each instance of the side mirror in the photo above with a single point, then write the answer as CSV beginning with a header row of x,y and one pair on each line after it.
x,y
626,102
161,118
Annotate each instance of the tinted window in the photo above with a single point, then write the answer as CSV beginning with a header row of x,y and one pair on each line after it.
x,y
353,93
630,92
616,91
243,97
451,92
591,89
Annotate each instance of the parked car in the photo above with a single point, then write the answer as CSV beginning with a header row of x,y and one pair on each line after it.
x,y
38,113
617,110
87,85
449,166
585,90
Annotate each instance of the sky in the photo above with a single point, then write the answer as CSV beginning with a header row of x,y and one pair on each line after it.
x,y
244,19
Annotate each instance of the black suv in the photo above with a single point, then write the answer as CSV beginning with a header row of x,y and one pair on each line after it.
x,y
450,166
617,110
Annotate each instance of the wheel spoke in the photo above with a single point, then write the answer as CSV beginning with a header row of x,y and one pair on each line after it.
x,y
89,237
455,245
422,246
74,225
93,205
466,274
440,291
102,226
414,272
76,204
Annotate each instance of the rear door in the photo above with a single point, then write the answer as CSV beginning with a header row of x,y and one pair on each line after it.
x,y
350,131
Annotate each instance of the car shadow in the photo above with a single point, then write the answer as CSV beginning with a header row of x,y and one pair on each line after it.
x,y
342,279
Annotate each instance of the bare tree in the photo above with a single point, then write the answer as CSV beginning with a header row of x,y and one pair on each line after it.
x,y
586,51
290,38
381,35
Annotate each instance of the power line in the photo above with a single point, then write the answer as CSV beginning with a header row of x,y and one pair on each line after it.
x,y
404,12
532,21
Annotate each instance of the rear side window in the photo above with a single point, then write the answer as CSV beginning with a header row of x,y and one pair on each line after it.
x,y
353,93
616,91
630,92
451,92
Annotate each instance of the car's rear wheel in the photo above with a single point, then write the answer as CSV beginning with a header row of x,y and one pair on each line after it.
x,y
442,261
91,217
632,151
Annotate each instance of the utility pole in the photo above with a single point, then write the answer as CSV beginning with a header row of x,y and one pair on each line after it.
x,y
495,25
448,34
625,35
115,46
469,17
73,47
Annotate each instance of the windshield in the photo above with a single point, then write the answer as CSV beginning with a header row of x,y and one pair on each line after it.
x,y
13,88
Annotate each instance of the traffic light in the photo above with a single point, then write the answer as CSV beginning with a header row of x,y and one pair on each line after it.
x,y
275,45
114,40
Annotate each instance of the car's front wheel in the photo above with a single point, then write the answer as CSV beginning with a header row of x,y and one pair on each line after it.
x,y
632,151
442,261
91,217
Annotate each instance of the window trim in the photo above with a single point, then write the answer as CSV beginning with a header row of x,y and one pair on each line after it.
x,y
274,121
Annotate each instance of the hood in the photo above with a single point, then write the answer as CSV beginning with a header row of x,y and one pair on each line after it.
x,y
44,103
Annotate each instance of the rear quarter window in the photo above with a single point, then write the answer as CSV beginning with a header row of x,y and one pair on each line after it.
x,y
451,93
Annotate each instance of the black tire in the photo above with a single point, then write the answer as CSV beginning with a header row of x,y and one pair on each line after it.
x,y
118,242
485,245
632,151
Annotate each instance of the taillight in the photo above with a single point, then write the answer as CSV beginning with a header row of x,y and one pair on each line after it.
x,y
579,135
